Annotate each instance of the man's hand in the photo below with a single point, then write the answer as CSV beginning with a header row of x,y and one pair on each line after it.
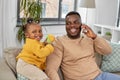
x,y
88,31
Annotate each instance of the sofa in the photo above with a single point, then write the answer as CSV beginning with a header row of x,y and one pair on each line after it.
x,y
8,65
108,63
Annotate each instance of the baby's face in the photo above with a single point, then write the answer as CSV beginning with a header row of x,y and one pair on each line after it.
x,y
34,32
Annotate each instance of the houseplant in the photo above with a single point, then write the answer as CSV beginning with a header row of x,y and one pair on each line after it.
x,y
29,9
107,36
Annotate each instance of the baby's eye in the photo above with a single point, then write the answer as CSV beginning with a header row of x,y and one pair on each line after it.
x,y
40,31
33,31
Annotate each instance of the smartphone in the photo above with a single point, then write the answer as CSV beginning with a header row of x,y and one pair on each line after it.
x,y
83,31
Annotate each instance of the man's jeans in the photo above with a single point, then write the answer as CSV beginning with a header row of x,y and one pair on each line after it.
x,y
107,76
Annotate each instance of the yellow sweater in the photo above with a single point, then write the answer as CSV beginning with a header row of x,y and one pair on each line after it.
x,y
34,52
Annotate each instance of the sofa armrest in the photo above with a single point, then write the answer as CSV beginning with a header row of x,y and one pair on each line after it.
x,y
5,71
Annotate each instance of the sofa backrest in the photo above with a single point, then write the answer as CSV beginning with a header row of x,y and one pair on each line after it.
x,y
10,57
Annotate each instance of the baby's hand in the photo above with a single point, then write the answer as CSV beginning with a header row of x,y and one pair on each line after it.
x,y
50,38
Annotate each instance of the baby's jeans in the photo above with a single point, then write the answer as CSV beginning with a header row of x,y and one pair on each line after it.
x,y
30,71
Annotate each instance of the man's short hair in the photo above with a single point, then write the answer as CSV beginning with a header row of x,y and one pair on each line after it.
x,y
73,13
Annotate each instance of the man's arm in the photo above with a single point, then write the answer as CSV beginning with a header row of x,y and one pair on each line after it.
x,y
54,61
102,46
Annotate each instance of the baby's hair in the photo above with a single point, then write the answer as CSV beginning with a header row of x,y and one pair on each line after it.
x,y
30,21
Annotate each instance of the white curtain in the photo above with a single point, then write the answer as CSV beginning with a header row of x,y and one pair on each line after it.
x,y
8,17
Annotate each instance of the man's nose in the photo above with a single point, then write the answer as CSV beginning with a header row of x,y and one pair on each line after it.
x,y
72,24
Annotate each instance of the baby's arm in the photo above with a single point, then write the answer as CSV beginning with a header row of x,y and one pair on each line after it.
x,y
45,51
49,39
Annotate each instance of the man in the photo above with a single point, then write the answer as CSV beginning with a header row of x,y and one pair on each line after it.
x,y
75,53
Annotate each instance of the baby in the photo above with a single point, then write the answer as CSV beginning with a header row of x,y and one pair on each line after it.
x,y
31,61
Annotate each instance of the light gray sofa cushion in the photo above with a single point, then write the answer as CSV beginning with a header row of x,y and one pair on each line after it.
x,y
10,57
5,71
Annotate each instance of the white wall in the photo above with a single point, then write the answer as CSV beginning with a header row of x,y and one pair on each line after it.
x,y
8,16
106,12
56,30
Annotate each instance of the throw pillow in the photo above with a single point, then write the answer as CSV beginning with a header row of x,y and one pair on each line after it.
x,y
21,77
111,62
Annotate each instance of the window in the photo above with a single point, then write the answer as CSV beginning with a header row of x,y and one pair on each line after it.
x,y
53,10
50,8
66,6
56,10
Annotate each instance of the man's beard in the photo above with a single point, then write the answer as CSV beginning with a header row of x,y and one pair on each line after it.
x,y
74,36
